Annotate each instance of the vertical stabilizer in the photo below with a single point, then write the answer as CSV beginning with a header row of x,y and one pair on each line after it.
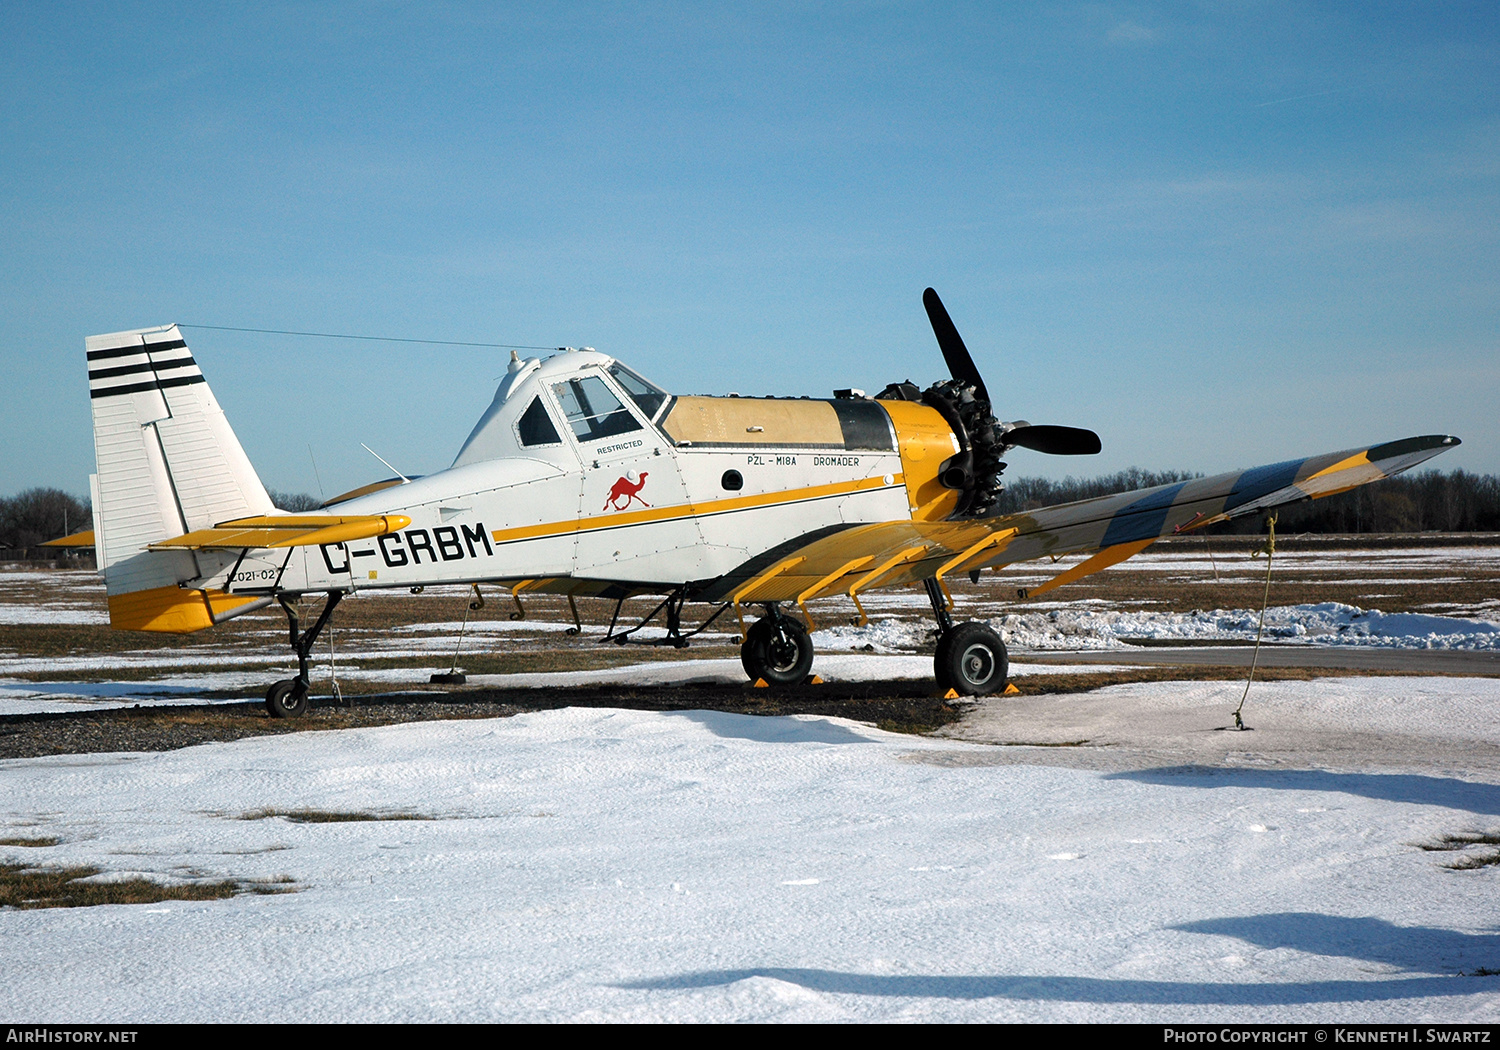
x,y
167,463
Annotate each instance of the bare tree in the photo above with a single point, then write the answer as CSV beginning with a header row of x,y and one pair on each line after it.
x,y
296,502
38,515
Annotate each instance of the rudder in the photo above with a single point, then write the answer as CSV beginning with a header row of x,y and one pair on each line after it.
x,y
167,462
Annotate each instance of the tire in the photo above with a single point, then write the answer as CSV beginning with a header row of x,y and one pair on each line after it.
x,y
781,657
287,699
971,660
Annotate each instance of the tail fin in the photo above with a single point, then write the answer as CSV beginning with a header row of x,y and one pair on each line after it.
x,y
167,463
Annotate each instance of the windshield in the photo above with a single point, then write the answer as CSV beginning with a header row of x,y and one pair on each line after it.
x,y
647,397
592,411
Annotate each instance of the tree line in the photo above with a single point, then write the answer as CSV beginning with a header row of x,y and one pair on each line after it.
x,y
38,515
1457,501
41,514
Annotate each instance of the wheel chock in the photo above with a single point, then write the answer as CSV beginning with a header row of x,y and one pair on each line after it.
x,y
448,679
761,683
954,694
813,679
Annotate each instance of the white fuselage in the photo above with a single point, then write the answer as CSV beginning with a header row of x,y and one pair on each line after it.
x,y
555,482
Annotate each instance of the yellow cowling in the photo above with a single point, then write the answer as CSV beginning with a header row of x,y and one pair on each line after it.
x,y
926,443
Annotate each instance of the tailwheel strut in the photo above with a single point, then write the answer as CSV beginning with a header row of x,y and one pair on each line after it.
x,y
288,698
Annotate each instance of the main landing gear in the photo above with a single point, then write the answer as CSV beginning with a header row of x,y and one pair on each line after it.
x,y
971,658
288,698
777,649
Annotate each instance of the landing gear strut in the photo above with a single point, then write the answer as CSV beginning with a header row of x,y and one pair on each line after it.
x,y
971,659
777,649
672,604
288,698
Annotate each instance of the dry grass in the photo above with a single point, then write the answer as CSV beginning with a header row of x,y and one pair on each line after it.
x,y
1471,861
325,816
45,840
1084,682
890,725
1461,842
25,888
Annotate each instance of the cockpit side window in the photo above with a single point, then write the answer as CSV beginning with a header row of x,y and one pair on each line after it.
x,y
648,397
592,411
535,427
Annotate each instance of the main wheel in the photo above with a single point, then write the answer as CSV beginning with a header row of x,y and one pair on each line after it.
x,y
777,649
287,698
971,659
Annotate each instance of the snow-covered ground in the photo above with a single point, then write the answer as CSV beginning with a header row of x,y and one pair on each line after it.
x,y
625,865
18,697
1094,625
594,864
83,680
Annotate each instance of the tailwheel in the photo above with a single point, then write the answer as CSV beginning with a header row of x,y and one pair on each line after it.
x,y
971,660
287,698
778,650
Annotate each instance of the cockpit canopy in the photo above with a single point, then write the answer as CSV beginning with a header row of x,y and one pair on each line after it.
x,y
582,390
592,409
597,398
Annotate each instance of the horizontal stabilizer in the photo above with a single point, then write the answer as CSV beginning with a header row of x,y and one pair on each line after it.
x,y
281,531
78,539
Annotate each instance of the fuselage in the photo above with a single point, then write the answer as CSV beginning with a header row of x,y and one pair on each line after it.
x,y
582,471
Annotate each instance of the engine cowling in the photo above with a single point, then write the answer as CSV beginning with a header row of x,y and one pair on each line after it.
x,y
973,472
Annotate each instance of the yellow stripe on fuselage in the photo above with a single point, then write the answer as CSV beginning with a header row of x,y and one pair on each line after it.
x,y
685,510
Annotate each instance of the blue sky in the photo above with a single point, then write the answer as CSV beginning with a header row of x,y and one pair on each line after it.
x,y
1219,234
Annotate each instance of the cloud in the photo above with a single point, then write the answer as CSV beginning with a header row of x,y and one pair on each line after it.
x,y
1130,33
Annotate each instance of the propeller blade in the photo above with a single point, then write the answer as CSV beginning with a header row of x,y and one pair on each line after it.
x,y
1055,441
960,364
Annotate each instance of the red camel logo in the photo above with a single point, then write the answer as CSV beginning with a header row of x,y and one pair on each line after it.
x,y
626,490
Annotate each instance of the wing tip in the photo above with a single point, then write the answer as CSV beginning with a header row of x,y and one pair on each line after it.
x,y
1406,446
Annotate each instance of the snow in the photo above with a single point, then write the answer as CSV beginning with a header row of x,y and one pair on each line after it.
x,y
1403,718
880,650
32,698
19,614
1116,860
1336,559
27,697
1087,625
607,865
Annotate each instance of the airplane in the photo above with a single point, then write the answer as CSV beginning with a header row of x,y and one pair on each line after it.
x,y
582,478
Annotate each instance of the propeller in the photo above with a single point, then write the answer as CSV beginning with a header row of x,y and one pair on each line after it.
x,y
960,363
964,402
1055,440
1052,440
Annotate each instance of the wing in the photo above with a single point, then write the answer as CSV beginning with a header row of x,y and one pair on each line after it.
x,y
862,557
